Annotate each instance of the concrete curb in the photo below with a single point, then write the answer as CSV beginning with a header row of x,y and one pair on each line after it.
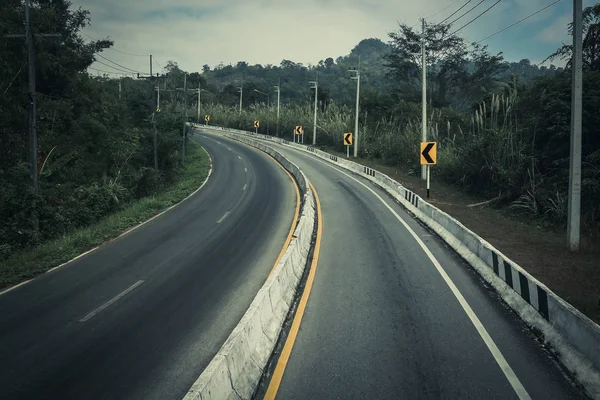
x,y
573,336
236,370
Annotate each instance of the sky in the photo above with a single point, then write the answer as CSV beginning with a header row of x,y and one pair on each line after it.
x,y
197,32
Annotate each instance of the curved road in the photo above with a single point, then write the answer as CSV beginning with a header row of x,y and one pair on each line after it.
x,y
142,316
381,321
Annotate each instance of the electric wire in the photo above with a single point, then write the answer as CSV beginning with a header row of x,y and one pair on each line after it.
x,y
518,22
476,18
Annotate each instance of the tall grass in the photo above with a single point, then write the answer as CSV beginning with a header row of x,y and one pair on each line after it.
x,y
484,152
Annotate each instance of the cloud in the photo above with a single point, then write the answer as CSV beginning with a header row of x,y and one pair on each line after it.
x,y
194,33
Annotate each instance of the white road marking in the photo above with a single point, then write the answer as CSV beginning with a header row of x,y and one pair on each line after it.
x,y
246,169
223,217
14,287
111,301
218,142
491,345
124,233
239,157
245,187
229,148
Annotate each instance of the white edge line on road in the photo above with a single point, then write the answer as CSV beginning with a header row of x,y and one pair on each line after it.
x,y
122,234
223,217
491,345
111,301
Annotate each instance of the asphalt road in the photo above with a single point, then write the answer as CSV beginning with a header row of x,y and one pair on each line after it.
x,y
141,317
382,323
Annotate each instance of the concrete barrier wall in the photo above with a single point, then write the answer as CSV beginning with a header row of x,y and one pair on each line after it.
x,y
573,336
236,370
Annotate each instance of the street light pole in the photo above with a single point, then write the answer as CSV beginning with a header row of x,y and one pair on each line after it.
x,y
278,98
315,85
357,78
184,117
424,94
199,90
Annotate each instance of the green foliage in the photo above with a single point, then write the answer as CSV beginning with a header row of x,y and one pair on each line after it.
x,y
17,266
95,147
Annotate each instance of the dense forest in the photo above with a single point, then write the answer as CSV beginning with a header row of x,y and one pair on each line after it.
x,y
502,127
95,144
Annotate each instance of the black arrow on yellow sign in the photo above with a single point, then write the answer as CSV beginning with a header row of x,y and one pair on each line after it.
x,y
347,139
428,153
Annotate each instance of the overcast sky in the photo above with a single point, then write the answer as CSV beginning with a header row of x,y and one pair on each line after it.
x,y
198,32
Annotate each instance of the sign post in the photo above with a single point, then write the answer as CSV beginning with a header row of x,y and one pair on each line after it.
x,y
348,142
428,158
206,119
299,131
256,126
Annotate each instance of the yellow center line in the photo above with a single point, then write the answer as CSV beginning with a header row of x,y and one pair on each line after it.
x,y
291,339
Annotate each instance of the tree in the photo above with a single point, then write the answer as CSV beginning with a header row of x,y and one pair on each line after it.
x,y
445,56
591,41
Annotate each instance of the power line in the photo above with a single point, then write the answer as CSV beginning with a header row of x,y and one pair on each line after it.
x,y
477,17
518,22
441,11
157,63
122,66
109,72
115,68
117,50
454,13
471,9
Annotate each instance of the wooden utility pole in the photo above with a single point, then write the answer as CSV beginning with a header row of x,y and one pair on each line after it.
x,y
184,117
33,152
156,107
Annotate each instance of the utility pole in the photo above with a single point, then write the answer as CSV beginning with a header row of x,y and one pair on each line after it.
x,y
199,90
32,109
574,216
357,78
158,98
241,89
278,98
185,116
120,88
315,85
424,94
150,64
156,106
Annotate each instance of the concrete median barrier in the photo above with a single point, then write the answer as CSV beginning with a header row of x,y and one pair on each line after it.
x,y
235,371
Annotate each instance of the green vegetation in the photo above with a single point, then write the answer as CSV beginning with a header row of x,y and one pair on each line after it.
x,y
95,145
26,264
503,128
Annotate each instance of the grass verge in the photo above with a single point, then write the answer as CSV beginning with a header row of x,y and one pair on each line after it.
x,y
29,263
